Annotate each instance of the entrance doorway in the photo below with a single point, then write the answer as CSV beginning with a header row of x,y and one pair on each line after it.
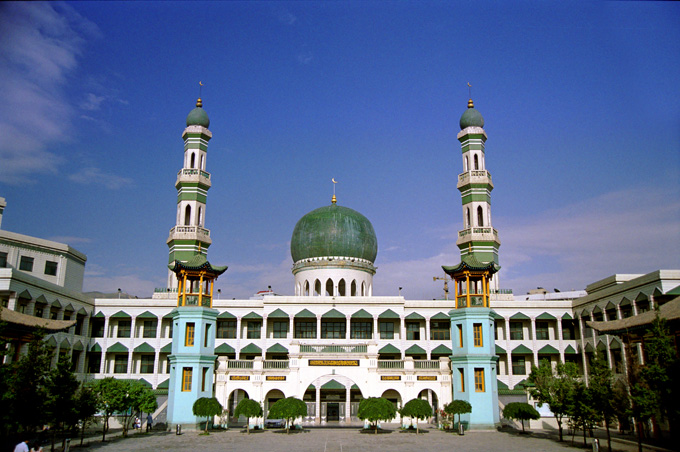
x,y
333,412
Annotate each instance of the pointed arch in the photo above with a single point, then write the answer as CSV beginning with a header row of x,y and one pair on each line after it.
x,y
353,288
317,287
192,162
329,287
363,289
466,164
187,215
480,216
202,166
199,221
467,216
341,288
476,162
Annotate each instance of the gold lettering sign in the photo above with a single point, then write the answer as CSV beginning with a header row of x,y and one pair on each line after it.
x,y
276,378
427,378
390,377
333,362
239,377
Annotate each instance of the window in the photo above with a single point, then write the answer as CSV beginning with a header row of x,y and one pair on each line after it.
x,y
333,330
149,329
480,217
477,330
187,216
54,313
204,378
479,380
120,364
440,331
79,325
518,365
94,363
189,336
361,330
206,336
146,364
460,335
97,327
226,329
542,331
167,365
412,331
461,375
386,330
516,333
305,330
38,310
124,327
280,329
568,329
51,268
187,373
254,330
3,260
26,264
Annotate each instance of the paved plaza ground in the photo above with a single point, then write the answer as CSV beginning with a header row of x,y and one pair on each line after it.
x,y
340,440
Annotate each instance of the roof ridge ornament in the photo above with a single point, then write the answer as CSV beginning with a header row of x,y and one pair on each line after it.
x,y
470,103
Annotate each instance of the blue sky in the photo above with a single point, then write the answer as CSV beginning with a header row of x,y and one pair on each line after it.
x,y
581,103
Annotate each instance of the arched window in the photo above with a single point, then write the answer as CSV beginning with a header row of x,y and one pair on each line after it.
x,y
354,288
329,287
465,164
193,160
476,162
199,220
363,289
341,288
317,287
187,216
467,217
202,163
306,288
480,216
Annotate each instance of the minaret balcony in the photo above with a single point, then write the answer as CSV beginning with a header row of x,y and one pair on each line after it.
x,y
485,234
475,177
194,175
190,233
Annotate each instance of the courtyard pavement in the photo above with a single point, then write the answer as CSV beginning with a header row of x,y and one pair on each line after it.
x,y
340,440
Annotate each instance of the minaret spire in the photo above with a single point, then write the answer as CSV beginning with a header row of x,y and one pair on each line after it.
x,y
190,237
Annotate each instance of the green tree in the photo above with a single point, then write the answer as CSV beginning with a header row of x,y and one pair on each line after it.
x,y
207,407
418,409
248,408
86,408
602,392
61,386
289,409
660,371
25,391
554,388
582,411
520,411
105,391
621,404
376,409
458,407
123,397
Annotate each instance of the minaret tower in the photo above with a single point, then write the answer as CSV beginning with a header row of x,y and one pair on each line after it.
x,y
473,358
477,238
189,236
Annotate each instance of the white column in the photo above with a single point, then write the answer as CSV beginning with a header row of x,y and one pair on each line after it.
x,y
318,404
376,333
348,334
348,388
238,337
318,327
402,335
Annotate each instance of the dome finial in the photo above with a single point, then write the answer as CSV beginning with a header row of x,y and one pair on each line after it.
x,y
199,103
334,199
470,103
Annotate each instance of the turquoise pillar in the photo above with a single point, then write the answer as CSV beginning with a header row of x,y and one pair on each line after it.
x,y
192,363
474,364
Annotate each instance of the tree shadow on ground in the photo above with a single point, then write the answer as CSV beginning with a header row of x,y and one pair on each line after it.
x,y
371,431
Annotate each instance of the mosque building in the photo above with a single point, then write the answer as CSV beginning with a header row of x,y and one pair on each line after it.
x,y
333,342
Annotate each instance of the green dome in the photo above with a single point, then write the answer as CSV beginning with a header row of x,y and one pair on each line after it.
x,y
198,116
334,231
471,117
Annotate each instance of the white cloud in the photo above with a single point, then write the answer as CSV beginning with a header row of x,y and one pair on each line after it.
x,y
305,57
287,18
70,240
630,231
88,176
92,102
39,47
130,284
